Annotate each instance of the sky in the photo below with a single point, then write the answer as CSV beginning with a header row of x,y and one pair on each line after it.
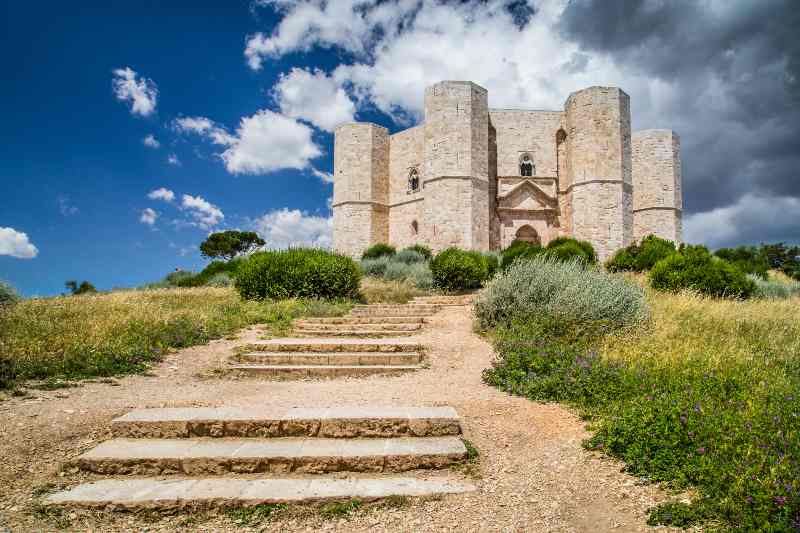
x,y
131,132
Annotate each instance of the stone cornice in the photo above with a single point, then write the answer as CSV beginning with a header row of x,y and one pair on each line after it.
x,y
628,187
658,208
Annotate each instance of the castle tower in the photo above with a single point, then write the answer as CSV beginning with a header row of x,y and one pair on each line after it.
x,y
455,174
657,196
600,186
360,187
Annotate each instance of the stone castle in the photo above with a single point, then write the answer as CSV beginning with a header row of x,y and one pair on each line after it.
x,y
480,178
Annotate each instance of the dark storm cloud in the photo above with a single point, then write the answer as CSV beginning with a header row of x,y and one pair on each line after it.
x,y
736,67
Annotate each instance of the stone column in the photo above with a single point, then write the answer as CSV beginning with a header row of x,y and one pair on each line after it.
x,y
657,196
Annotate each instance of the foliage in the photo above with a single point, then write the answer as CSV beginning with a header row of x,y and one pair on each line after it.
x,y
516,250
398,268
704,398
567,248
222,279
84,288
774,288
492,261
408,257
375,267
378,250
8,295
783,258
121,332
748,259
421,249
456,270
297,273
229,244
694,268
568,292
379,291
642,256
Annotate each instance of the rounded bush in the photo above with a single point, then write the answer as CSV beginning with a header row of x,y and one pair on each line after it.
x,y
408,257
378,250
641,257
516,250
565,248
566,292
297,273
456,270
8,295
693,267
375,267
421,249
492,260
220,279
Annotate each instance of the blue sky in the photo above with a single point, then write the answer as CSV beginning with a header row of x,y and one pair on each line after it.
x,y
241,99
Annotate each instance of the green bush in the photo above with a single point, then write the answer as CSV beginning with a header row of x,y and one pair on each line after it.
x,y
543,287
748,259
421,249
297,273
566,248
492,260
408,257
377,250
769,288
457,270
221,279
693,267
641,257
516,250
375,267
8,295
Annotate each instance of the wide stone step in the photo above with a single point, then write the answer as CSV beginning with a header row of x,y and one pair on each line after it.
x,y
389,307
341,422
351,332
326,345
367,326
363,320
277,456
322,371
442,300
135,494
336,358
393,312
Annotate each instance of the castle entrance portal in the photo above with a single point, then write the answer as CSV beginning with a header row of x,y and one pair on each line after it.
x,y
528,234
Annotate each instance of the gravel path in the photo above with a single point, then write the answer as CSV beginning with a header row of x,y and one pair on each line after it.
x,y
532,473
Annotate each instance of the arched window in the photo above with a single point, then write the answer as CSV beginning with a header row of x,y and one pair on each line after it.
x,y
528,234
413,180
561,136
526,166
414,228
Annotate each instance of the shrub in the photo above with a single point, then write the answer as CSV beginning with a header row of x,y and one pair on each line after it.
x,y
297,272
378,250
423,250
455,270
408,257
180,278
375,267
748,259
693,267
641,257
565,248
543,287
8,295
492,260
516,250
770,288
420,276
221,279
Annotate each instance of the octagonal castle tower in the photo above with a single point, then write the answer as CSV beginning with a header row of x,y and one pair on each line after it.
x,y
480,178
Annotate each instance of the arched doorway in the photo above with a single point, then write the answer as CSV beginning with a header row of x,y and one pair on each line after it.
x,y
528,234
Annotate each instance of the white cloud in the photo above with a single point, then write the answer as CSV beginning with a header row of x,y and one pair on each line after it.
x,y
315,97
326,177
16,244
264,142
65,206
752,219
283,228
162,193
151,142
148,216
141,92
205,214
172,159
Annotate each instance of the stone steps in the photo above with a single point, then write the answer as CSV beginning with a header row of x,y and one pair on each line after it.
x,y
401,310
322,371
363,326
332,359
124,456
351,332
341,422
325,345
134,494
363,320
443,300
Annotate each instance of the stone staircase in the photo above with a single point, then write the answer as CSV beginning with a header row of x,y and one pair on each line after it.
x,y
238,457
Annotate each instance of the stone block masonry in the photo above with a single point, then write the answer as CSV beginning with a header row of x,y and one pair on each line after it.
x,y
479,178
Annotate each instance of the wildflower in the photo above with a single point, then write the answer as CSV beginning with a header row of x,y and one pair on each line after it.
x,y
701,450
649,398
780,500
683,419
749,499
697,408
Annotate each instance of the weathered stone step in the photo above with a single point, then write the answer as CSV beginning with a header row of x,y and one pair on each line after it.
x,y
367,326
351,332
442,300
337,358
384,307
277,456
341,422
363,320
322,371
135,494
393,312
329,345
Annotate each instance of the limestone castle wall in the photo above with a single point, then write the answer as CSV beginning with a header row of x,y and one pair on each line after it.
x,y
599,162
520,131
406,206
657,194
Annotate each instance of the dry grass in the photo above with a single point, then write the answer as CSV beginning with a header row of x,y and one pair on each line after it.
x,y
376,290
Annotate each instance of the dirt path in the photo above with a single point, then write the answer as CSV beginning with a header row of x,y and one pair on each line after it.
x,y
533,474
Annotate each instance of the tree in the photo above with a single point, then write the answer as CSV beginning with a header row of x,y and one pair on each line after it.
x,y
84,288
229,244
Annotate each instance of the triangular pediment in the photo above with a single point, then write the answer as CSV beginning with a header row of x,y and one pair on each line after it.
x,y
527,196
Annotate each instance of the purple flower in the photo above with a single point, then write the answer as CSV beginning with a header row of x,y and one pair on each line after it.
x,y
697,408
649,398
749,499
701,450
691,434
684,419
780,500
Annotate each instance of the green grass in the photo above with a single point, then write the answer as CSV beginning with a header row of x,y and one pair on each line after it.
x,y
256,514
705,396
340,509
78,337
